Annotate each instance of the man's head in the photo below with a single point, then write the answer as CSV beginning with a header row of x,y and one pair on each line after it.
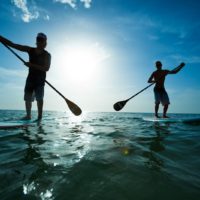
x,y
41,40
158,65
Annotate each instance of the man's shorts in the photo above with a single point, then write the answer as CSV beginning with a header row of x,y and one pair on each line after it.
x,y
161,96
32,91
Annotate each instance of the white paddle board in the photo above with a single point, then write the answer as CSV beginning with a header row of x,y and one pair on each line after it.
x,y
172,119
14,124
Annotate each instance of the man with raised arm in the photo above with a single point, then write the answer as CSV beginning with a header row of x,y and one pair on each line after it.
x,y
39,64
160,94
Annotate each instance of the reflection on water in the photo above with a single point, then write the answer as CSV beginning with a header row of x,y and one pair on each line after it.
x,y
34,161
99,156
161,132
47,152
145,147
156,145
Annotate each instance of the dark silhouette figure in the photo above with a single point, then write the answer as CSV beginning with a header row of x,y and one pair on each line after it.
x,y
39,64
160,93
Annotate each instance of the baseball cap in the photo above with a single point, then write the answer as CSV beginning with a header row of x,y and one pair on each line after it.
x,y
41,36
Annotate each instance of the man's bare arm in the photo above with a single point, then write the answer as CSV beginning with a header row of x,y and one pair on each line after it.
x,y
151,78
177,69
13,45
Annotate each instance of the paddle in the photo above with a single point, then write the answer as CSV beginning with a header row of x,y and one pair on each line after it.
x,y
120,104
72,106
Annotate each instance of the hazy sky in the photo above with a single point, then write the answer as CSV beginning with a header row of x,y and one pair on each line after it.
x,y
104,51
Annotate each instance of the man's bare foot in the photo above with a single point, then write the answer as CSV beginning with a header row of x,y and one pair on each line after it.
x,y
26,118
157,116
38,120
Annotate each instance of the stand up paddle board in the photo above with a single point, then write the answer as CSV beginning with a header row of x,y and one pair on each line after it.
x,y
173,119
14,124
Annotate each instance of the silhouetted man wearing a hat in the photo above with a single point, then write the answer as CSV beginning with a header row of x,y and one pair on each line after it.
x,y
39,64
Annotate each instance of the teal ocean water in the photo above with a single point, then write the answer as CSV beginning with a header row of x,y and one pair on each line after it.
x,y
99,156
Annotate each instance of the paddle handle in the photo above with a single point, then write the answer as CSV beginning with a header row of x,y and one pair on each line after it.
x,y
14,53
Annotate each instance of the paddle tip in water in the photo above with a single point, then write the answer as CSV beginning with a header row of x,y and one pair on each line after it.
x,y
77,112
119,105
73,107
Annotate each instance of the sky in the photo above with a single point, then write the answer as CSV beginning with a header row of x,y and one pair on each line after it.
x,y
103,51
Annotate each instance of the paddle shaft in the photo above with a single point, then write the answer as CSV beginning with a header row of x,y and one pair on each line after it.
x,y
45,80
140,91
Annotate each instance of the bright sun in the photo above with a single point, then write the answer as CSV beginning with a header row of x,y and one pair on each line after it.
x,y
81,63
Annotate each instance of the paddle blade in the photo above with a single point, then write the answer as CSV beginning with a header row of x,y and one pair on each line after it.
x,y
119,105
73,107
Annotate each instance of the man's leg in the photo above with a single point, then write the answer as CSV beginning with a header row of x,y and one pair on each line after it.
x,y
28,105
156,109
39,93
28,98
40,109
165,102
157,101
165,110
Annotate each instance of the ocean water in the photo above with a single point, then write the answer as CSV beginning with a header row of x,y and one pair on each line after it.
x,y
99,156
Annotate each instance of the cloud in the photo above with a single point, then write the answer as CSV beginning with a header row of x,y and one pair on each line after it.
x,y
194,59
27,14
46,17
30,11
143,22
73,3
87,3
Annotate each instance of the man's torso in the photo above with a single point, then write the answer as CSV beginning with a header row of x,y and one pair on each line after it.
x,y
37,76
159,77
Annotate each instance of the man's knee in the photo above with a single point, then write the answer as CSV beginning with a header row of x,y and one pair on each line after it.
x,y
40,101
39,93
